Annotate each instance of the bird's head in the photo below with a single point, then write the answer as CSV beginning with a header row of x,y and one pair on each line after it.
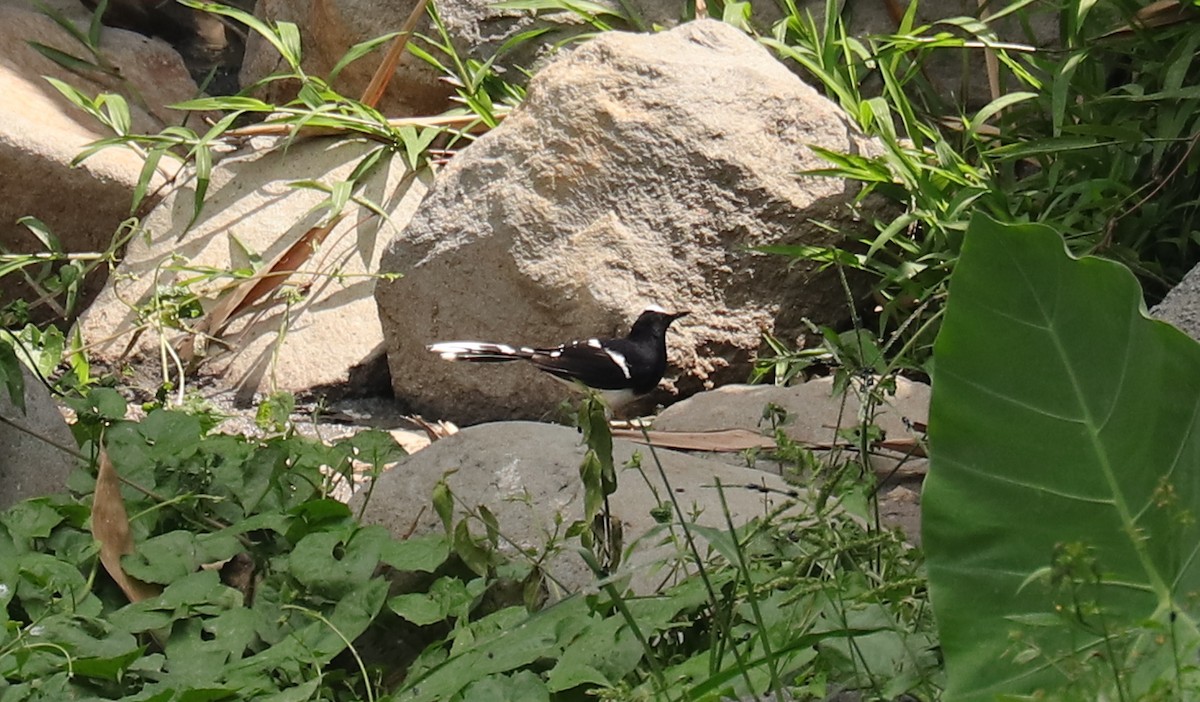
x,y
654,321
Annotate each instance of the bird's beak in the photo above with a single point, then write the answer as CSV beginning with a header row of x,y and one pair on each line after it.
x,y
677,315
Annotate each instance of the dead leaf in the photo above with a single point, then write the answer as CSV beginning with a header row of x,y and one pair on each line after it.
x,y
268,279
1156,14
434,430
110,527
908,446
387,67
734,440
240,574
720,440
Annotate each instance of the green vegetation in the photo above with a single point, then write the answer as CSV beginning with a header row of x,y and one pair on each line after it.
x,y
1087,466
1060,510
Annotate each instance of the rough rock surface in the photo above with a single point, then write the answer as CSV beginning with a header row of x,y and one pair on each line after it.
x,y
640,169
814,412
251,207
31,466
528,473
1181,306
329,29
41,132
477,29
813,416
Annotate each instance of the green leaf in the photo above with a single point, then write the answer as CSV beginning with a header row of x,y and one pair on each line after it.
x,y
357,51
70,62
419,553
31,519
472,554
11,375
94,27
106,403
116,111
42,233
443,504
149,166
377,447
225,103
447,597
498,643
522,686
289,38
329,565
1065,436
177,554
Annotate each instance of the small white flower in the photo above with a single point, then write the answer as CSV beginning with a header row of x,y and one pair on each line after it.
x,y
4,590
37,630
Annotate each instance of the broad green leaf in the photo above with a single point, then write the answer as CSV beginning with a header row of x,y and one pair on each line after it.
x,y
170,557
522,686
330,565
498,643
1065,436
419,553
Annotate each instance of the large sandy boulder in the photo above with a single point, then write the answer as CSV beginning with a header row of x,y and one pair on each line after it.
x,y
41,132
319,327
640,169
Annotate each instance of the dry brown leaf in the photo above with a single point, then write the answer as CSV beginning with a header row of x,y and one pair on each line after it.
x,y
720,440
733,440
894,10
435,430
908,446
387,68
110,527
1156,14
264,282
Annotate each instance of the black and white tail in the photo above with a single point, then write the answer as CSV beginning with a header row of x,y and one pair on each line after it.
x,y
481,352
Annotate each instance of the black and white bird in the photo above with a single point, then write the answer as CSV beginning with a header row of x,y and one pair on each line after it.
x,y
619,369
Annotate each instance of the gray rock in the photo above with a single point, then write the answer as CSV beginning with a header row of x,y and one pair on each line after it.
x,y
640,169
30,463
251,207
813,412
41,132
813,416
1181,306
527,474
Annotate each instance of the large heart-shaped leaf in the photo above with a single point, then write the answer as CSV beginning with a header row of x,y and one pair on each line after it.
x,y
1061,503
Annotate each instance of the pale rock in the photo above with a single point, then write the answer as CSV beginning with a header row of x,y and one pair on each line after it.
x,y
527,474
252,205
640,169
41,132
